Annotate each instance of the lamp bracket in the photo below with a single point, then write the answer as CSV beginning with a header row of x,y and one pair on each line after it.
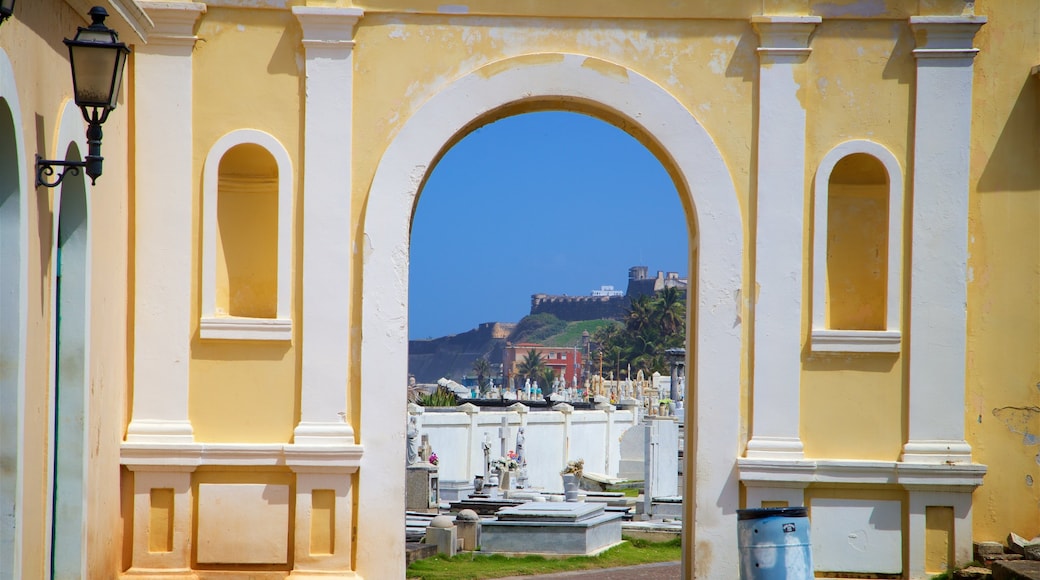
x,y
45,168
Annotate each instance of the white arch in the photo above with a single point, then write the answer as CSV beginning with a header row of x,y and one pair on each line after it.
x,y
240,328
13,403
71,130
384,347
888,340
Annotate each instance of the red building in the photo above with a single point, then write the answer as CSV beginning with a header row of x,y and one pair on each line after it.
x,y
565,361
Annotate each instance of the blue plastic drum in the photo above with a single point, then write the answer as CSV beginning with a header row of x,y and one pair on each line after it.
x,y
774,544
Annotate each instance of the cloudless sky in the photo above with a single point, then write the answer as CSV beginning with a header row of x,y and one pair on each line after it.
x,y
549,202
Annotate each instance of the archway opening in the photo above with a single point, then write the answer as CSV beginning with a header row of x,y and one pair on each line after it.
x,y
71,375
10,336
668,129
557,233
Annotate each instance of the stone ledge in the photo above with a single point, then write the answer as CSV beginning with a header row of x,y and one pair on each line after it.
x,y
1018,570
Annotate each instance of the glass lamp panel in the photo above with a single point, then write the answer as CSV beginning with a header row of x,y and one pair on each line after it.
x,y
93,72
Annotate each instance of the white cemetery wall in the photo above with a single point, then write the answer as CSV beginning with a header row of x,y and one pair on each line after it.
x,y
457,441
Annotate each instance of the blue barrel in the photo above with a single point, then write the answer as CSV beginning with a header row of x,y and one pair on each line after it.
x,y
774,544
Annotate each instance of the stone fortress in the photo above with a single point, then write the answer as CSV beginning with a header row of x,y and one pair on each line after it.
x,y
605,303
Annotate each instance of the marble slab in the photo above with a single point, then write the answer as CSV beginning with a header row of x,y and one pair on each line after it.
x,y
551,512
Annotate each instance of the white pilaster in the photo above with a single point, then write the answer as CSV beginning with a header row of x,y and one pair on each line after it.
x,y
327,243
151,560
164,204
783,47
920,499
316,474
938,275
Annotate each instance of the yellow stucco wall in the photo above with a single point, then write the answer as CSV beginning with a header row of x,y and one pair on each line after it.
x,y
1003,365
32,41
859,85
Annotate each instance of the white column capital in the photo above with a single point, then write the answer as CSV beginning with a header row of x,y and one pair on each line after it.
x,y
945,36
327,27
784,35
174,22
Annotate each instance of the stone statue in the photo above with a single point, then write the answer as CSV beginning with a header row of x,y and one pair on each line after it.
x,y
413,440
487,456
521,459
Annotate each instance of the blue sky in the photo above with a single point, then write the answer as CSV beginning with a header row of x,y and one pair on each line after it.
x,y
551,202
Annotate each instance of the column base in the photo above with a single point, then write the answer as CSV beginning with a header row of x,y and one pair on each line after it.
x,y
159,431
789,448
946,451
314,433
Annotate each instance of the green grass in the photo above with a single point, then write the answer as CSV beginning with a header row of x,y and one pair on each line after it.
x,y
473,565
571,335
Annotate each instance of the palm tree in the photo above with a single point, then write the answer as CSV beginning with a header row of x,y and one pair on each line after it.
x,y
671,310
482,367
532,365
547,379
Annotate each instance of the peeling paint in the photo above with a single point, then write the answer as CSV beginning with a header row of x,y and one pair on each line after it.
x,y
1020,420
606,69
524,60
453,9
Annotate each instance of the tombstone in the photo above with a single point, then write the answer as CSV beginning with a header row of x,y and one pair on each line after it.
x,y
422,489
443,533
631,462
503,437
579,529
468,525
661,460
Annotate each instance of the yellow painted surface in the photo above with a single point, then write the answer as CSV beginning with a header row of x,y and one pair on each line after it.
x,y
243,392
938,539
246,75
160,525
852,407
247,233
323,519
32,41
857,255
1003,397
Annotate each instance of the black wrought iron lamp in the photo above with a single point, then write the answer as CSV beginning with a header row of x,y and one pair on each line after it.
x,y
6,9
97,59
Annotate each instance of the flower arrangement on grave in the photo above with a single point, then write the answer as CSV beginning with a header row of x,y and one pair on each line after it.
x,y
574,467
507,463
433,458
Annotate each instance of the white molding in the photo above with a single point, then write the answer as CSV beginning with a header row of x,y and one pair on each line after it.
x,y
648,108
327,26
879,341
781,36
939,236
778,473
242,328
173,22
824,339
189,456
945,37
225,327
779,231
9,92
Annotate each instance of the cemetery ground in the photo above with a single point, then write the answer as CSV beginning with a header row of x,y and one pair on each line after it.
x,y
474,565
